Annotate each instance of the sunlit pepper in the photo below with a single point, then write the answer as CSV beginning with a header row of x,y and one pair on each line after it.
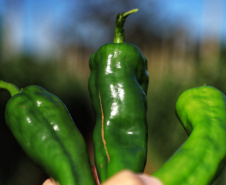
x,y
45,130
118,86
202,112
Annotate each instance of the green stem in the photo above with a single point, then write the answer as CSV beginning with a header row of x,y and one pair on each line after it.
x,y
10,87
119,24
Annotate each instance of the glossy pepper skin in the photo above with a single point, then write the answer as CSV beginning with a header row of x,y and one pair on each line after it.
x,y
202,112
45,130
118,85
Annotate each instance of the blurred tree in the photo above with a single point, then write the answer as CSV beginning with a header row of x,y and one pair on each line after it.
x,y
99,16
174,66
1,36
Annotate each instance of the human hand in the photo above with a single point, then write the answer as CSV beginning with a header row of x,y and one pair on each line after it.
x,y
50,182
127,177
124,177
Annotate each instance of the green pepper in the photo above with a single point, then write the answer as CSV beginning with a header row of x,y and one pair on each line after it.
x,y
202,112
118,86
45,130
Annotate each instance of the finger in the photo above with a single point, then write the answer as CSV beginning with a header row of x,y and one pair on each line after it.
x,y
50,181
148,180
125,177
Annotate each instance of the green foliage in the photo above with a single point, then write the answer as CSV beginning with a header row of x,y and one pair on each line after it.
x,y
165,131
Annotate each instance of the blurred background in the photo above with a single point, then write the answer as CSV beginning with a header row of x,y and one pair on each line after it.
x,y
49,43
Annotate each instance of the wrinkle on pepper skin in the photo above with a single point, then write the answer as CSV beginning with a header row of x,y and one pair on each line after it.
x,y
102,130
34,127
121,94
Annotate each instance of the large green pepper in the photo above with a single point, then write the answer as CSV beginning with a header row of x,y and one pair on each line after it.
x,y
45,130
202,112
118,85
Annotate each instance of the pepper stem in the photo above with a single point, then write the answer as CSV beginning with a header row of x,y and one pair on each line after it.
x,y
13,90
119,24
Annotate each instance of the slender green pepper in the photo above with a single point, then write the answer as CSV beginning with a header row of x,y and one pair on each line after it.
x,y
118,85
45,130
202,112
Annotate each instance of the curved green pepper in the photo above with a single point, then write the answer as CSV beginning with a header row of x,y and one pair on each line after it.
x,y
118,85
45,130
202,112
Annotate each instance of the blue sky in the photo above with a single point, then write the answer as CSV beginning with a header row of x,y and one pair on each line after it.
x,y
35,24
204,16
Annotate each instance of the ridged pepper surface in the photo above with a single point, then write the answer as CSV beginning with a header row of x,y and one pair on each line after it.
x,y
45,130
118,85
